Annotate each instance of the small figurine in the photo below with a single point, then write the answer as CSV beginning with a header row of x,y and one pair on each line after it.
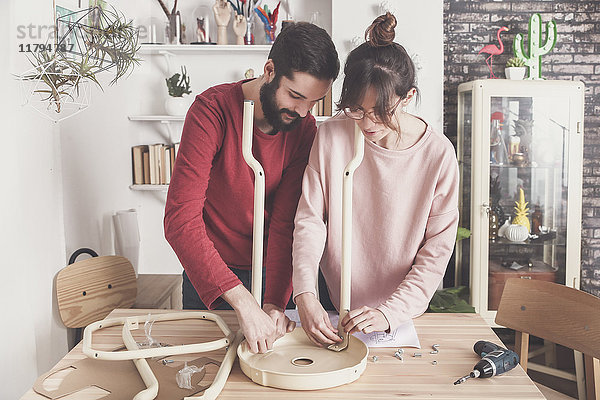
x,y
222,10
202,31
243,11
493,50
239,27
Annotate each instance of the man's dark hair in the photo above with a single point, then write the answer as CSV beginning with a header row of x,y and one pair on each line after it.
x,y
304,47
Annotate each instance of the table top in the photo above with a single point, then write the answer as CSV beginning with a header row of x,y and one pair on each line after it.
x,y
417,378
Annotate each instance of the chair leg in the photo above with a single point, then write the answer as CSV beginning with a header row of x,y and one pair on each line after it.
x,y
522,347
550,354
579,375
592,377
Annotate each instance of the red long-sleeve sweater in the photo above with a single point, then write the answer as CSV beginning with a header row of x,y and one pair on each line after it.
x,y
208,215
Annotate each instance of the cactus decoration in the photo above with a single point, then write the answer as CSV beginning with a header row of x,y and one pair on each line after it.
x,y
522,211
534,60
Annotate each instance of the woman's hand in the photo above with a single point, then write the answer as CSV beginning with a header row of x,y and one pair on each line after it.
x,y
315,320
365,320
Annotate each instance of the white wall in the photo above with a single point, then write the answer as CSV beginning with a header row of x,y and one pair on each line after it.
x,y
31,238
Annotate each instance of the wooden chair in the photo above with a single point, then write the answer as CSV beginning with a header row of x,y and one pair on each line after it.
x,y
88,290
557,313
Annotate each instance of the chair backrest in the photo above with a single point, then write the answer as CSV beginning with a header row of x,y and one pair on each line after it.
x,y
88,290
551,311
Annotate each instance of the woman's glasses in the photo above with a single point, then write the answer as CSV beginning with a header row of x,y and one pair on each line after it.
x,y
358,113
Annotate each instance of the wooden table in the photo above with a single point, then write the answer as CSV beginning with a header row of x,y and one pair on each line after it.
x,y
415,378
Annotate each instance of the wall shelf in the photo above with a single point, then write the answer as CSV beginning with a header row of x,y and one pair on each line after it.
x,y
181,49
166,120
150,188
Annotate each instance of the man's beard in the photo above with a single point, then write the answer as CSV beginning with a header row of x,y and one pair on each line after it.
x,y
271,109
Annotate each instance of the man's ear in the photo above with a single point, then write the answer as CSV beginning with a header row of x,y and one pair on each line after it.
x,y
269,70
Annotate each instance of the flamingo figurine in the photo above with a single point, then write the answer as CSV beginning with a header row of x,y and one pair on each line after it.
x,y
493,50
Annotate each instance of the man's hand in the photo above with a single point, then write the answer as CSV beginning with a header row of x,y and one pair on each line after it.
x,y
259,329
315,321
282,323
366,320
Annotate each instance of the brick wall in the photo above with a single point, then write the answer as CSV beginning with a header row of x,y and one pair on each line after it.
x,y
469,25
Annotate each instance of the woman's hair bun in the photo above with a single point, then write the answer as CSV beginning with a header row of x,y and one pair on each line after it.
x,y
381,32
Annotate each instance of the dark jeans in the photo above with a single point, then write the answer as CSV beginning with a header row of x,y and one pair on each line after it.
x,y
191,300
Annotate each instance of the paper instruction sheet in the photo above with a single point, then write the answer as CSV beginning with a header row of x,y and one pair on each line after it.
x,y
404,336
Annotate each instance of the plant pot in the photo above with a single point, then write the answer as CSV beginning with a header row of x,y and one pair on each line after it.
x,y
515,73
177,106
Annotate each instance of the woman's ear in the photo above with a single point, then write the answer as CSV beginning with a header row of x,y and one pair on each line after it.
x,y
409,96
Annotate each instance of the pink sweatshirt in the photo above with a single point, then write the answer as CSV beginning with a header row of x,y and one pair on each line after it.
x,y
405,216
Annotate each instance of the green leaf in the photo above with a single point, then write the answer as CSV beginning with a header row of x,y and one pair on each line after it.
x,y
462,233
451,300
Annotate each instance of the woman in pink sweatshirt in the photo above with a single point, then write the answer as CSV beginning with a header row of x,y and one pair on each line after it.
x,y
405,198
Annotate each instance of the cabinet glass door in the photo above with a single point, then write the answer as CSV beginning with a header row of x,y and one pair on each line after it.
x,y
528,187
464,155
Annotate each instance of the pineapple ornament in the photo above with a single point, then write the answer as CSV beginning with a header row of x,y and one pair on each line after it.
x,y
522,211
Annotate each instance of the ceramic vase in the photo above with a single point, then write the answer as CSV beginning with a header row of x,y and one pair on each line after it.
x,y
516,233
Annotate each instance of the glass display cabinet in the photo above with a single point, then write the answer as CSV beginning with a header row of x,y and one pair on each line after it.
x,y
520,152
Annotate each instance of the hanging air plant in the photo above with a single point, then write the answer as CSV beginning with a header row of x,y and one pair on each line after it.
x,y
104,36
92,41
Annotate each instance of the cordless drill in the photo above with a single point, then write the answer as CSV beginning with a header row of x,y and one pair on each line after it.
x,y
495,360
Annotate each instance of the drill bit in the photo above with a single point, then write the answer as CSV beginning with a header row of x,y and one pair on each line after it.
x,y
473,374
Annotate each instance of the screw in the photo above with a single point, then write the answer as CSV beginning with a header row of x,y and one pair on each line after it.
x,y
434,352
165,362
417,355
435,346
374,358
398,355
434,362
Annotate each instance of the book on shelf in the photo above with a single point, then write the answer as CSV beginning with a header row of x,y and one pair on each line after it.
x,y
328,104
323,107
153,164
137,156
146,161
153,159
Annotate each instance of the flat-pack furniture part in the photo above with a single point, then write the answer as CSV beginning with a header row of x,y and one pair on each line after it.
x,y
89,290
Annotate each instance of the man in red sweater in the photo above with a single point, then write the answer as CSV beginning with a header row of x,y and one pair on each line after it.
x,y
208,215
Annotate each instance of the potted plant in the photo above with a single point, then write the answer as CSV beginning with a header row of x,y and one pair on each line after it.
x,y
178,85
515,69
